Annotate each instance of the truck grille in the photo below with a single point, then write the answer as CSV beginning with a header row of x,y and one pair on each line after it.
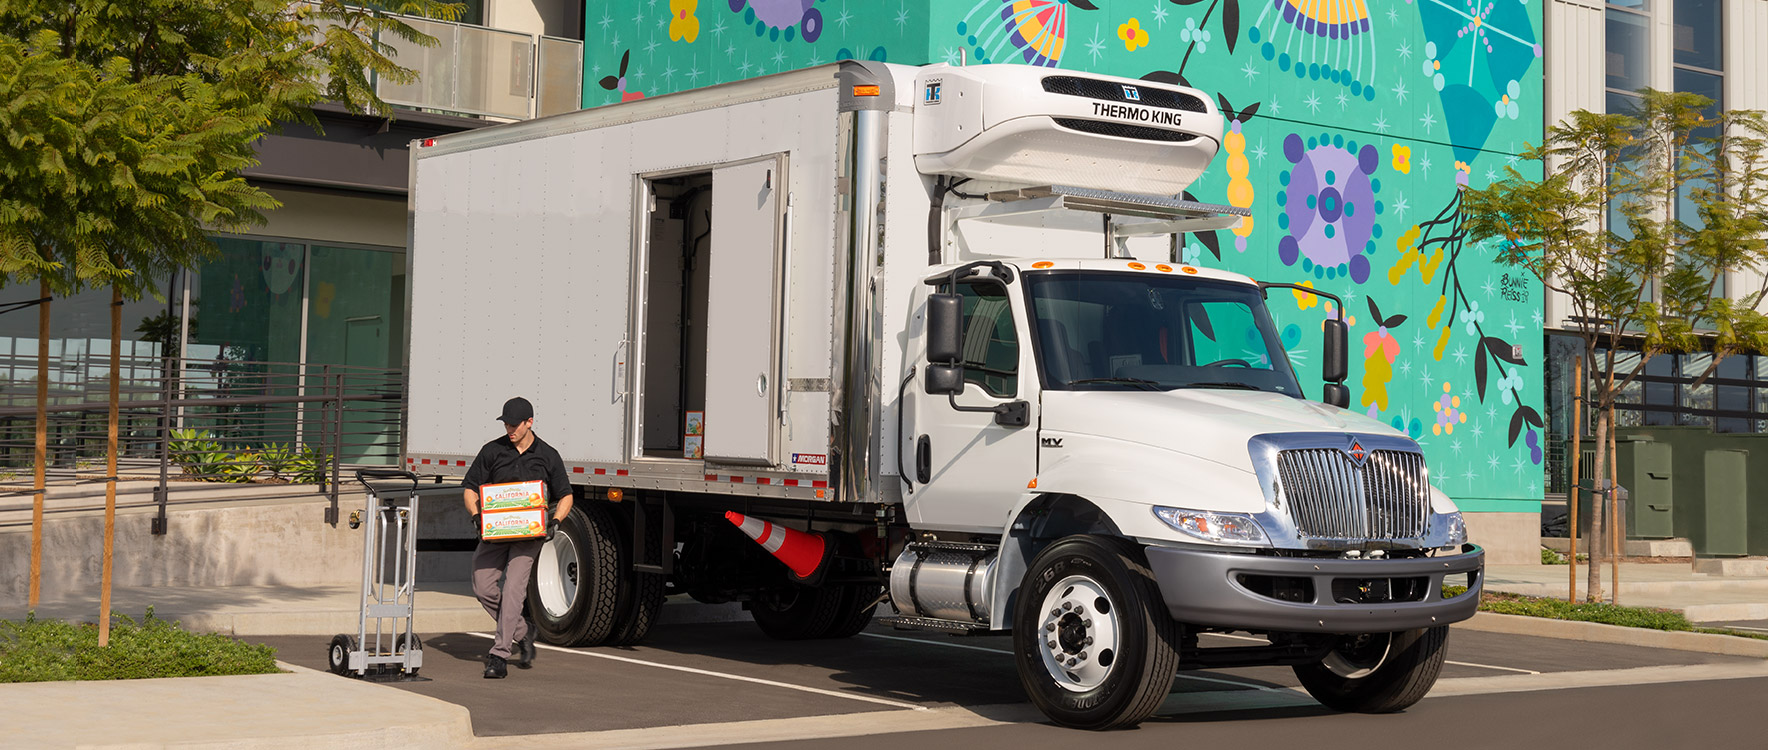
x,y
1111,91
1331,498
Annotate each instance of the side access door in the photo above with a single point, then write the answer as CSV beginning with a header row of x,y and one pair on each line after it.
x,y
967,468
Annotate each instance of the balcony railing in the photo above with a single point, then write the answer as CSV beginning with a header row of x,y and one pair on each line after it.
x,y
476,70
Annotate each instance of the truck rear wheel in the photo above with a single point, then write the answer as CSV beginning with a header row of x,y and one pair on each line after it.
x,y
858,602
795,613
1377,673
1095,647
575,586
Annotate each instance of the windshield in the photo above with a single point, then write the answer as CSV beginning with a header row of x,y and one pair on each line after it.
x,y
1103,330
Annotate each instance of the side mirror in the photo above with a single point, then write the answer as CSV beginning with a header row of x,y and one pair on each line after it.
x,y
1333,366
1337,395
945,321
945,380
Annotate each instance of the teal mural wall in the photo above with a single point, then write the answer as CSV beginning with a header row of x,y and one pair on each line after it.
x,y
1353,128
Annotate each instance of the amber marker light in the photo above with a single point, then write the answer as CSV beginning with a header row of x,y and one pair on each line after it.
x,y
616,495
865,91
1164,268
1188,269
1043,264
1138,267
1032,485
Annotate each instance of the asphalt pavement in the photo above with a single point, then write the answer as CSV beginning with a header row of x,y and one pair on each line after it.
x,y
882,681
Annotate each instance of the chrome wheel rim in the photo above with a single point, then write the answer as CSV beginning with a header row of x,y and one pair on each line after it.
x,y
555,575
1078,633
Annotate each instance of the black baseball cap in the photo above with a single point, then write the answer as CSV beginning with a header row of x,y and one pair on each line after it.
x,y
516,411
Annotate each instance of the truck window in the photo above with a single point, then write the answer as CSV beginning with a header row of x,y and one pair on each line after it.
x,y
991,345
1226,332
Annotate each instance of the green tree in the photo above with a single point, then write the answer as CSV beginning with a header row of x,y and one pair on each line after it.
x,y
1606,226
125,126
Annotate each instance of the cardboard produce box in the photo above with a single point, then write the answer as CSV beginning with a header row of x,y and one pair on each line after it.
x,y
512,511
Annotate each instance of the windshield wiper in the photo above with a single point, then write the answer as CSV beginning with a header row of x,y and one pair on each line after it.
x,y
1230,385
1150,384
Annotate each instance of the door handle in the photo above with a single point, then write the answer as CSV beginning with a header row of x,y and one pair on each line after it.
x,y
924,459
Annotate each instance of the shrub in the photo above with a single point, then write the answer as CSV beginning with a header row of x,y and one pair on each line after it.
x,y
35,650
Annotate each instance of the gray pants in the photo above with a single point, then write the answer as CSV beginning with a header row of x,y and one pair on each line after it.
x,y
513,563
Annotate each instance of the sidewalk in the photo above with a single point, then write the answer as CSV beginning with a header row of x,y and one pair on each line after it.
x,y
1668,585
298,709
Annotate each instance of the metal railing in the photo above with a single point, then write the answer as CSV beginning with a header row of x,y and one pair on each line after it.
x,y
478,70
195,420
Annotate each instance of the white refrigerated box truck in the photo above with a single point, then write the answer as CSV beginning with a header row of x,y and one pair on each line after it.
x,y
870,337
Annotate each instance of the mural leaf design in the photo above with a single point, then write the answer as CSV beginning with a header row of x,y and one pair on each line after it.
x,y
1231,25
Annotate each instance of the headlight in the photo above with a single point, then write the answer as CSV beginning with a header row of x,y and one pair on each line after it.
x,y
1221,528
1457,529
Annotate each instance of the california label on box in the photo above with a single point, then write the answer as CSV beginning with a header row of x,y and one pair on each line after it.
x,y
509,525
512,495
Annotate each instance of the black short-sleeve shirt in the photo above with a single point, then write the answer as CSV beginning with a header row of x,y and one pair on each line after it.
x,y
499,462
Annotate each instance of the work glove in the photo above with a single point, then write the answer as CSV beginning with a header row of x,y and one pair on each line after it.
x,y
477,526
552,527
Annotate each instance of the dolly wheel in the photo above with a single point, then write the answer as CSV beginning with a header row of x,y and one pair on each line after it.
x,y
337,657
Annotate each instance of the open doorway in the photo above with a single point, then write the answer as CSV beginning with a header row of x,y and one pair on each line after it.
x,y
675,319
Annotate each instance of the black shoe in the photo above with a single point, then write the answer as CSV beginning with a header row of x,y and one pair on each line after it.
x,y
525,650
496,668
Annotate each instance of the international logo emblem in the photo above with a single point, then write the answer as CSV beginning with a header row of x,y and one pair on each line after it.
x,y
1358,455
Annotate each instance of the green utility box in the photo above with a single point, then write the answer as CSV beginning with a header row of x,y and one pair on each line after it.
x,y
1644,466
1726,524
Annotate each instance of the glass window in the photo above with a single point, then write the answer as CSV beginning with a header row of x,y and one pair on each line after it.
x,y
356,312
1628,52
1698,40
1122,331
1657,392
991,345
1696,397
1708,85
1732,399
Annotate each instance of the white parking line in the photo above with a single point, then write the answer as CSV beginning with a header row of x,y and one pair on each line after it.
x,y
725,675
1004,652
1456,663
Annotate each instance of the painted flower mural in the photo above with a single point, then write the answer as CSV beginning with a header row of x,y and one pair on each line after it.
x,y
1033,32
1330,206
779,19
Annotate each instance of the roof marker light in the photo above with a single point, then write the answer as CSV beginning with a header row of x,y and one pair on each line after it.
x,y
865,91
1138,267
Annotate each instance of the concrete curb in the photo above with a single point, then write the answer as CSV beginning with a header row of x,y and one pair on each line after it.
x,y
313,711
1709,643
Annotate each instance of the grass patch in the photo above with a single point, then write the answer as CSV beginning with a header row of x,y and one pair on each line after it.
x,y
1606,614
36,650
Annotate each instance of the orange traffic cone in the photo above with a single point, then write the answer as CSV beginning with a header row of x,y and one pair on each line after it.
x,y
802,553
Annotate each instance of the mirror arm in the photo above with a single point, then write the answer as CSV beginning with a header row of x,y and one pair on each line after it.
x,y
1264,288
1010,414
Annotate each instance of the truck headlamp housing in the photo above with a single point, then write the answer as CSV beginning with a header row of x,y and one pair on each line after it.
x,y
1457,529
1210,526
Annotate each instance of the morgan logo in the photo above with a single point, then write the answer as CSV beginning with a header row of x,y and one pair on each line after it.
x,y
1130,93
812,459
1052,442
1358,455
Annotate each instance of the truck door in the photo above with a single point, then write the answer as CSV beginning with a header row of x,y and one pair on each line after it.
x,y
976,469
742,310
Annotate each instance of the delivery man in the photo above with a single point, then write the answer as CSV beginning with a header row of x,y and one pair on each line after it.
x,y
518,456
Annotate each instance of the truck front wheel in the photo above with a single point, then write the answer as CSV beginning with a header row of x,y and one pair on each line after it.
x,y
1377,673
1095,647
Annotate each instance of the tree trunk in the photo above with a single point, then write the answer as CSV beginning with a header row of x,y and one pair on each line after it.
x,y
1593,586
110,484
40,475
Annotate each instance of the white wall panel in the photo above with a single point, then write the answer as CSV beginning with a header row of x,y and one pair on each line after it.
x,y
1746,84
1576,33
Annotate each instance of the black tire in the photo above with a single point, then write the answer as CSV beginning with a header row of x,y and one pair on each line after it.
x,y
641,597
1137,669
795,613
858,602
337,655
1400,669
575,587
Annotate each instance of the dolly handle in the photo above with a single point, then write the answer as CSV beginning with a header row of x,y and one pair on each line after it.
x,y
363,475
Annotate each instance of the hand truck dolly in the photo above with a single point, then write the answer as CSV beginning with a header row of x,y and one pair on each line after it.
x,y
389,572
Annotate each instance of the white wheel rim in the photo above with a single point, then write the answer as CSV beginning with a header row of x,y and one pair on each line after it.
x,y
1078,634
556,574
1356,668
